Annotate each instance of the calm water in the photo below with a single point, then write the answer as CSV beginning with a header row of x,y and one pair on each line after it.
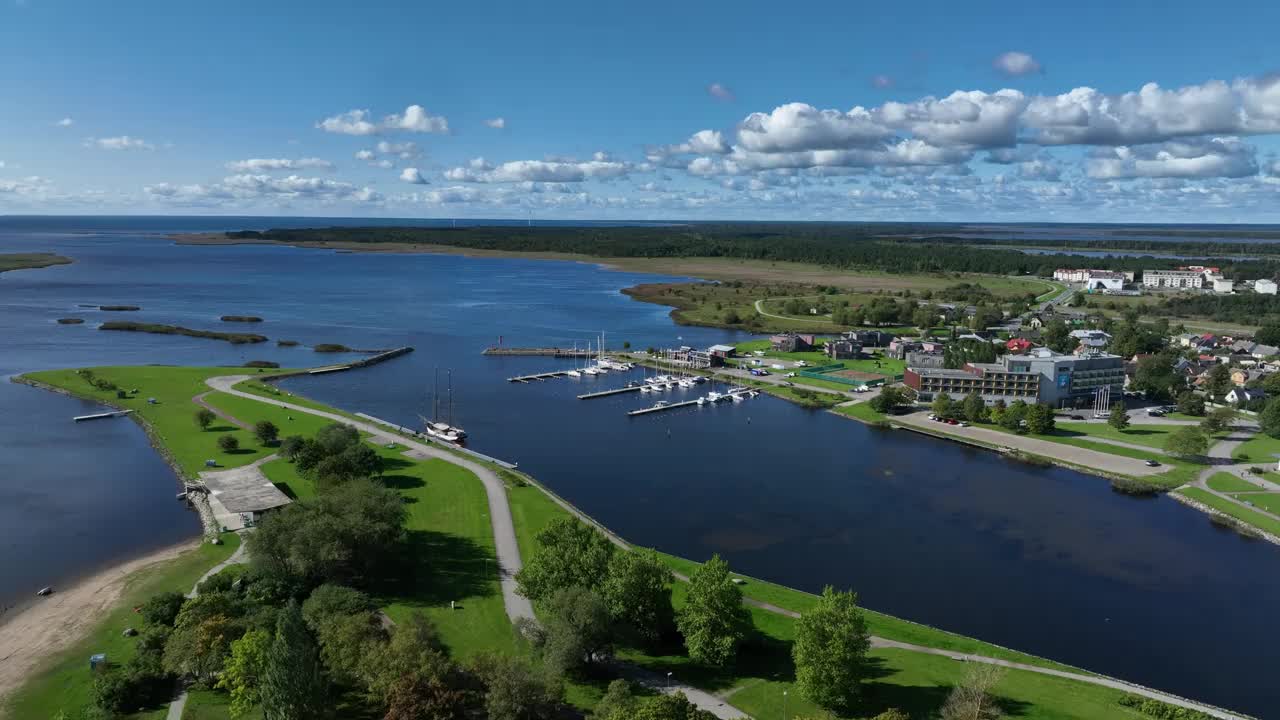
x,y
1043,560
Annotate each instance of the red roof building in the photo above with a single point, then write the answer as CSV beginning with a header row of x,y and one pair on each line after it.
x,y
1019,345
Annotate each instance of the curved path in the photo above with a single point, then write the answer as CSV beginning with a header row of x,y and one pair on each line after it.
x,y
518,606
760,309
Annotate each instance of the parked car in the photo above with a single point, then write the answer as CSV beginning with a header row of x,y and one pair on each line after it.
x,y
1155,412
1152,463
791,374
1077,417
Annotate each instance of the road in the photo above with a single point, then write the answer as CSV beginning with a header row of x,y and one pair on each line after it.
x,y
504,535
760,309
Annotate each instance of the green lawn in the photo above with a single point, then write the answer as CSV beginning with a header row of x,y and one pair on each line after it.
x,y
170,418
1150,435
1228,483
1243,514
861,411
1261,448
64,682
213,705
1264,501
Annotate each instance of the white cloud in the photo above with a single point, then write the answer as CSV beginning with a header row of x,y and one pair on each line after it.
x,y
122,142
798,126
1016,63
719,91
1040,169
352,122
268,164
496,123
364,155
415,118
881,82
412,175
65,122
405,150
538,171
1011,155
248,188
962,118
1225,157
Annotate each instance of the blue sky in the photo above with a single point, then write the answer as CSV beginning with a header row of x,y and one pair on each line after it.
x,y
1077,111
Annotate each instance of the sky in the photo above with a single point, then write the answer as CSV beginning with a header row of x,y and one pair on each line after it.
x,y
906,111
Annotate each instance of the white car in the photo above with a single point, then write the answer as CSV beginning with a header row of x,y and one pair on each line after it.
x,y
789,375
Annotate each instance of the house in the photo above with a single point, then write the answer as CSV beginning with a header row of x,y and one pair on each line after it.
x,y
1243,376
869,338
1189,340
1262,352
791,342
1173,279
1223,286
1018,345
899,347
1104,280
1091,340
1265,287
718,354
1035,322
1240,395
842,349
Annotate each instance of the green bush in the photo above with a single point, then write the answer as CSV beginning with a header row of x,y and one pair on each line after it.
x,y
1160,710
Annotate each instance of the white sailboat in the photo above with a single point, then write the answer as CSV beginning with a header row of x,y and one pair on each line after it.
x,y
574,372
436,428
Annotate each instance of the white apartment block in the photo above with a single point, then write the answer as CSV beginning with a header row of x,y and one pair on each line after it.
x,y
1176,279
1265,287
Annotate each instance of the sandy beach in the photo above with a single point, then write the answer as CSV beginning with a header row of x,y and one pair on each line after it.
x,y
49,625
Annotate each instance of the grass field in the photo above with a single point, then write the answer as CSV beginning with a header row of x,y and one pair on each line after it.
x,y
1153,436
27,261
1262,500
1243,514
65,683
1261,448
1228,483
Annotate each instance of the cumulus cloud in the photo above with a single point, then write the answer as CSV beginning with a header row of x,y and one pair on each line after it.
x,y
719,92
496,123
1225,157
480,171
1016,63
962,118
412,175
65,122
404,150
365,155
254,165
1011,155
415,118
881,82
799,126
1040,169
121,142
250,188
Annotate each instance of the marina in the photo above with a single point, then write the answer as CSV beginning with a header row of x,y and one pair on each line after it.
x,y
735,395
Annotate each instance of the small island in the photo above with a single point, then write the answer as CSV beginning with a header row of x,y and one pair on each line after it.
x,y
241,318
287,343
233,338
119,308
261,364
70,321
331,348
30,261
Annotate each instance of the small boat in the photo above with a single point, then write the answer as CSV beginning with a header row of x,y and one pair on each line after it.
x,y
661,403
714,396
738,397
45,591
685,383
590,371
702,401
645,389
574,373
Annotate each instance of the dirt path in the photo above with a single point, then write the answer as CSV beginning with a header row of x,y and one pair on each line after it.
x,y
50,625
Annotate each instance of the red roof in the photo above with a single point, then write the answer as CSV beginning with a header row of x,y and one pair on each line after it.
x,y
1018,344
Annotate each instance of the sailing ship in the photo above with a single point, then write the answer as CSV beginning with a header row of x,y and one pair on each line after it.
x,y
436,427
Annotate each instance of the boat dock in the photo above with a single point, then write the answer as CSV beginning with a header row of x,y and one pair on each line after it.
x,y
607,393
538,376
366,362
544,352
102,416
686,403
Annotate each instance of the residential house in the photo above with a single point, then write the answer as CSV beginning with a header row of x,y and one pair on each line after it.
x,y
1090,340
1265,287
869,338
1243,376
791,342
1223,286
1241,395
1262,352
1035,322
1018,345
1177,279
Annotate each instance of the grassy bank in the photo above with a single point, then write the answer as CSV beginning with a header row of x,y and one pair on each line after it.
x,y
65,683
157,329
29,261
1243,514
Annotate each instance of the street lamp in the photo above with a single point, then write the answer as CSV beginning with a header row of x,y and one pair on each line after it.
x,y
784,705
668,681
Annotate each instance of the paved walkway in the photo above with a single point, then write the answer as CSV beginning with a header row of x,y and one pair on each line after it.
x,y
1105,462
1220,460
179,703
518,606
504,535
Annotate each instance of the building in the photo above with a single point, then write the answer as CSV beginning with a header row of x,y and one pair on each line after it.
x,y
1090,340
1018,345
1223,285
239,497
1173,279
1071,275
1240,396
1104,280
920,359
842,349
1265,287
720,353
1041,375
791,342
869,338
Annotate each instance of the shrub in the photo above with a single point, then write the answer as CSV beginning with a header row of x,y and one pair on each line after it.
x,y
1134,486
1160,710
162,609
228,443
261,364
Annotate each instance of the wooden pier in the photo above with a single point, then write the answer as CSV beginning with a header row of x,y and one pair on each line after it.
x,y
366,362
686,403
607,393
102,416
538,376
543,352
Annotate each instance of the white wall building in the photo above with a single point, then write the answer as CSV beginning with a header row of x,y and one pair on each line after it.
x,y
1265,287
1104,280
1223,285
1176,279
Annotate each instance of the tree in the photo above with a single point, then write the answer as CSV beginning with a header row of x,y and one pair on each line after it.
x,y
422,697
1218,420
1012,417
1039,419
1217,382
578,630
669,707
292,687
340,536
516,690
1156,377
971,699
242,673
336,437
895,713
291,446
942,406
888,400
830,650
1268,334
637,592
204,418
924,318
975,409
414,649
731,317
353,463
713,620
1057,336
1187,442
1269,418
228,443
569,554
1119,418
1190,403
618,703
200,645
266,432
162,608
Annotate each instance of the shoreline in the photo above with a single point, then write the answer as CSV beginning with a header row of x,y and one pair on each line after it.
x,y
37,632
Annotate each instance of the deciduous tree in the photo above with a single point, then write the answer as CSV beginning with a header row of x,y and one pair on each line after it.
x,y
1217,382
292,686
975,409
830,650
1119,418
637,591
266,432
204,418
228,443
569,554
1187,442
713,620
243,670
972,698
